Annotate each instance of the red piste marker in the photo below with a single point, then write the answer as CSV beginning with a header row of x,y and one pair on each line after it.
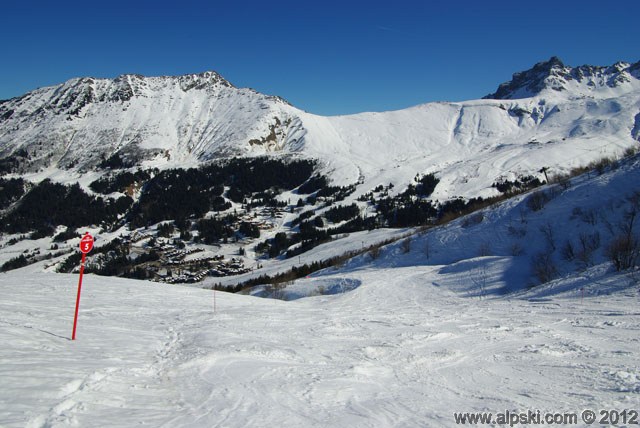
x,y
86,245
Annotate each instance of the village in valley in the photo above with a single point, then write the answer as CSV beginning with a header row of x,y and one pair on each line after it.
x,y
175,261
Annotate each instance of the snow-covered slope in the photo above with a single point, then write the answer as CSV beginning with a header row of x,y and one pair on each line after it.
x,y
172,120
562,123
550,116
400,350
445,324
564,229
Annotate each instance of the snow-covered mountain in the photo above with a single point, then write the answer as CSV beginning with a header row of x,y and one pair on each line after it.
x,y
544,117
174,120
551,116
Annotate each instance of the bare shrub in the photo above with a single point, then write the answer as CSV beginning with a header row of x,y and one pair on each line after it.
x,y
579,170
479,278
567,251
547,231
320,291
623,252
554,192
630,151
576,212
564,181
374,252
588,244
405,245
516,249
523,215
472,220
601,165
517,232
484,250
589,217
543,267
537,200
338,264
628,223
277,290
607,224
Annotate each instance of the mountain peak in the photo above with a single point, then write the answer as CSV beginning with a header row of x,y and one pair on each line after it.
x,y
530,82
554,75
554,61
202,80
186,82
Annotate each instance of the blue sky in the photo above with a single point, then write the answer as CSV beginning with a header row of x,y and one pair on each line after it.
x,y
329,57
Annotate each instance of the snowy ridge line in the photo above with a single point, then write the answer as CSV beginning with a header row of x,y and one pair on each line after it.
x,y
166,123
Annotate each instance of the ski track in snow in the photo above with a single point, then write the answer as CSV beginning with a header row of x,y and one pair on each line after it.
x,y
397,351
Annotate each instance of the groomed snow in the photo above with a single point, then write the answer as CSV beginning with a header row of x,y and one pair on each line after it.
x,y
402,349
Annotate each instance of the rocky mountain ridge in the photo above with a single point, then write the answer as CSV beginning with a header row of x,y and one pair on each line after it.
x,y
555,75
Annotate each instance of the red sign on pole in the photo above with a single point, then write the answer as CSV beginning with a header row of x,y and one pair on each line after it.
x,y
86,244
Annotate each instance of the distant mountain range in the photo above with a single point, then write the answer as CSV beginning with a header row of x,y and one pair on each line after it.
x,y
551,116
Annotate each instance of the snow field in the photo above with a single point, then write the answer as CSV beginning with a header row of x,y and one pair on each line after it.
x,y
400,350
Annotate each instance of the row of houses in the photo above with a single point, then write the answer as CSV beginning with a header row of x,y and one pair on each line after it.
x,y
188,276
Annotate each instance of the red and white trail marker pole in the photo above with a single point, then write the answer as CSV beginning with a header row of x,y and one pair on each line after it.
x,y
86,244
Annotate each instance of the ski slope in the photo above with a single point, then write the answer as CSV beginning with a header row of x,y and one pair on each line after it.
x,y
399,350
